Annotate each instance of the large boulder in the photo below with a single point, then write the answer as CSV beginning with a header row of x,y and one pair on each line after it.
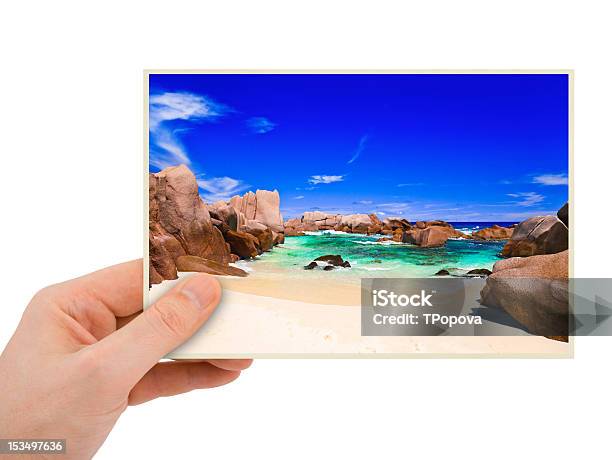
x,y
357,223
332,259
534,291
242,244
426,238
179,224
246,204
376,224
227,214
182,213
222,226
268,209
263,234
450,231
198,264
393,223
537,236
262,206
161,263
318,220
278,238
494,232
154,277
398,235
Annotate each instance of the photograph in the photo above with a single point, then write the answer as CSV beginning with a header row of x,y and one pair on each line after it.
x,y
305,231
294,188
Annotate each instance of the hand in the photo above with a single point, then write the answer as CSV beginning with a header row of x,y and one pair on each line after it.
x,y
84,351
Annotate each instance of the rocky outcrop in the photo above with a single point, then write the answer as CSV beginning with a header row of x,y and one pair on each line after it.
x,y
479,272
245,207
534,291
244,245
333,259
328,262
183,215
263,234
161,263
317,220
537,236
367,224
428,237
267,209
262,206
432,223
293,232
225,213
181,224
356,223
277,238
494,232
427,234
197,264
389,225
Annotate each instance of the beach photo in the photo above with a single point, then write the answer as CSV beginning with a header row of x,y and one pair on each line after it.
x,y
294,188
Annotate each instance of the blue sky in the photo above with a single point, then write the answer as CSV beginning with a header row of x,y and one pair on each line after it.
x,y
452,147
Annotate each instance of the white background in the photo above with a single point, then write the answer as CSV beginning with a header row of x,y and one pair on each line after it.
x,y
71,180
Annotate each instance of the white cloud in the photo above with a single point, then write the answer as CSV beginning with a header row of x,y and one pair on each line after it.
x,y
319,179
411,184
360,148
551,179
300,197
166,148
527,198
260,125
363,202
221,188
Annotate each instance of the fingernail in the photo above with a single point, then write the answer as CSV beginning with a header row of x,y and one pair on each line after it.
x,y
203,290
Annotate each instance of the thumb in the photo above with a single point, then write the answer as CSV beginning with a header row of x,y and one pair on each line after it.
x,y
138,346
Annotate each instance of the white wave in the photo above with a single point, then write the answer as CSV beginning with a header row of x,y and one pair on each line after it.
x,y
327,232
377,269
243,265
383,243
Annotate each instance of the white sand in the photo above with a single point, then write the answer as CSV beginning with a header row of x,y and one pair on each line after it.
x,y
249,325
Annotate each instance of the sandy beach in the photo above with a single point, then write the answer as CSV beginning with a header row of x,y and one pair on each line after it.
x,y
321,318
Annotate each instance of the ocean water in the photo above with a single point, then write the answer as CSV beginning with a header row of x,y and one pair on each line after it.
x,y
369,258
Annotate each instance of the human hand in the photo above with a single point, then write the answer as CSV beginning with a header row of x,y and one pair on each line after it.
x,y
84,351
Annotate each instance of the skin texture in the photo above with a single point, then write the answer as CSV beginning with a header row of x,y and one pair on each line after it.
x,y
84,350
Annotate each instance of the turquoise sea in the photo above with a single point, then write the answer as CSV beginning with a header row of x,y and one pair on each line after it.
x,y
369,258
